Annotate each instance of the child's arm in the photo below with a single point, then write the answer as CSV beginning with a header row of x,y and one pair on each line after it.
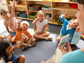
x,y
35,21
13,9
44,28
62,17
18,25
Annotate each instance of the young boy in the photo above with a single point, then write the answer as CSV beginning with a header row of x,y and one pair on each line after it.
x,y
68,27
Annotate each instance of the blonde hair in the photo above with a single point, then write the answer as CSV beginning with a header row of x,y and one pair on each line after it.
x,y
40,12
73,20
25,23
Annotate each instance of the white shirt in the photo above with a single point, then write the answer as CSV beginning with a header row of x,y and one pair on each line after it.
x,y
40,25
2,60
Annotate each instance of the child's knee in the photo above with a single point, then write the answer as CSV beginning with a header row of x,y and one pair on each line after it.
x,y
22,57
58,39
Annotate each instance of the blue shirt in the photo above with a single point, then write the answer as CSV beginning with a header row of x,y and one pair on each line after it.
x,y
64,30
73,57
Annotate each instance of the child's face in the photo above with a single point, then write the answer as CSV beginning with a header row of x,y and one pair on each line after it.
x,y
5,16
9,50
24,26
80,17
40,17
74,24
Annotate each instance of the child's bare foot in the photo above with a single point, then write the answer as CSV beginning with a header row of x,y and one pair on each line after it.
x,y
49,38
42,62
25,46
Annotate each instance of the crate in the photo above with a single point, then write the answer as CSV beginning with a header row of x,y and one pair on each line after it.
x,y
32,15
46,8
21,14
35,7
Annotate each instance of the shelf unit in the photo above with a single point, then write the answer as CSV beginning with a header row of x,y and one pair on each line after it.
x,y
55,11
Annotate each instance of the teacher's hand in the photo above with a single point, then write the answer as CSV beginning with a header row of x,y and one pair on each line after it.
x,y
66,49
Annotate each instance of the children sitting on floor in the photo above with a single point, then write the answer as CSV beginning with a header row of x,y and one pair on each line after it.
x,y
10,22
40,27
68,27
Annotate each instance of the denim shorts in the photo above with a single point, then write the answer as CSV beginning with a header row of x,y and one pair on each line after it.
x,y
12,33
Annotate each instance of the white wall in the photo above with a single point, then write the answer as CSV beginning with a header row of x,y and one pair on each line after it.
x,y
3,5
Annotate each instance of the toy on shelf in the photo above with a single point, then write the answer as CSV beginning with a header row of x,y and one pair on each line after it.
x,y
73,6
32,15
35,7
82,35
48,17
46,8
21,14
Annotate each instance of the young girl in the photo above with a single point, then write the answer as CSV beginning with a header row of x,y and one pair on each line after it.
x,y
8,54
68,27
41,25
10,22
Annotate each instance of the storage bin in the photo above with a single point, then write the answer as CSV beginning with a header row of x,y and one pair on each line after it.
x,y
21,14
73,6
35,7
32,15
46,8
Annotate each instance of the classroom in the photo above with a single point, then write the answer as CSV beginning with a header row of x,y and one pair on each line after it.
x,y
41,31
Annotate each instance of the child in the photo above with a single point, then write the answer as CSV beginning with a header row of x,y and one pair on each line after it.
x,y
8,54
68,27
10,22
41,25
22,28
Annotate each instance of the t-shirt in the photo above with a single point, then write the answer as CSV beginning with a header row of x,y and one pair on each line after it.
x,y
11,23
40,25
19,34
73,57
2,60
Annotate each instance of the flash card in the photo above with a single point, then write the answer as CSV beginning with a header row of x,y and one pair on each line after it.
x,y
63,40
76,37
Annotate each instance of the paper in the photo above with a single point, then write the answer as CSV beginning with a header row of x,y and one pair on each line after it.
x,y
76,38
64,40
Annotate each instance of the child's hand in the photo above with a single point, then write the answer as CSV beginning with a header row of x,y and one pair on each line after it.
x,y
66,15
78,29
65,50
19,22
37,19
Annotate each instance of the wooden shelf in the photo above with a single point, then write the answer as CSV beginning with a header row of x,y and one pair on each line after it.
x,y
66,9
42,10
19,5
55,11
21,18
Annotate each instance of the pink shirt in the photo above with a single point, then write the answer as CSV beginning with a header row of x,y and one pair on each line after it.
x,y
11,23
